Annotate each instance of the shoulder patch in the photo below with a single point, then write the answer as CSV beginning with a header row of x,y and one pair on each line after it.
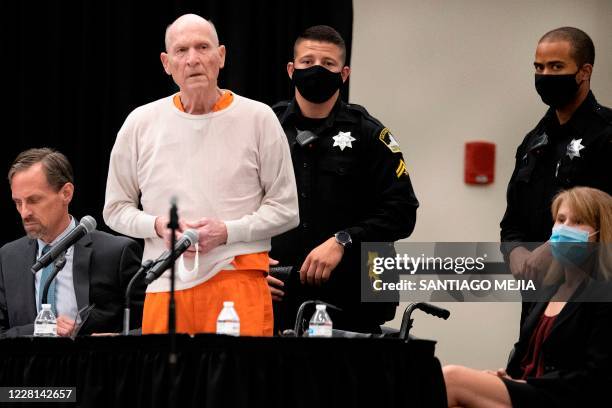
x,y
387,138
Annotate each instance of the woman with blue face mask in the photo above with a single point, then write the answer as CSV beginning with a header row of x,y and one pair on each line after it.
x,y
564,353
574,242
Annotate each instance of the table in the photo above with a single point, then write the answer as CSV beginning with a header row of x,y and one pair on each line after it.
x,y
221,371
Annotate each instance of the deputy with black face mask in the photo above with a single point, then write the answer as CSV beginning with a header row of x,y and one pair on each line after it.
x,y
353,187
570,146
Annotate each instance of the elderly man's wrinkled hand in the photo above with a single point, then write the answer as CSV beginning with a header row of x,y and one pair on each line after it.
x,y
211,233
162,230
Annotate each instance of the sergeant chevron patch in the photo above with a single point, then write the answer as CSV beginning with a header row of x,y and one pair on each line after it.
x,y
401,169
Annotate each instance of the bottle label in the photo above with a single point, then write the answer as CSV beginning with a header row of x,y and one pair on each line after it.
x,y
320,331
228,328
45,329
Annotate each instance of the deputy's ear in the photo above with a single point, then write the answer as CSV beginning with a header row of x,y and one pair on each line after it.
x,y
586,71
346,71
290,69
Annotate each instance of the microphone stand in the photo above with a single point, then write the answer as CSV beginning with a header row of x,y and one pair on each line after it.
x,y
128,294
57,266
173,225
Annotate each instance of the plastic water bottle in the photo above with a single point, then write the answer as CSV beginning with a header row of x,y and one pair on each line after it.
x,y
320,323
228,322
45,324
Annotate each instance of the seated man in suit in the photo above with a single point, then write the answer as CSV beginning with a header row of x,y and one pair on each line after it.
x,y
97,269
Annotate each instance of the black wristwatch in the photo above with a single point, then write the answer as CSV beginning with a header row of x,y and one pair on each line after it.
x,y
343,238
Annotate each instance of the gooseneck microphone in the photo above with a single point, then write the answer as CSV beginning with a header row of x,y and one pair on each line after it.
x,y
87,225
57,267
189,238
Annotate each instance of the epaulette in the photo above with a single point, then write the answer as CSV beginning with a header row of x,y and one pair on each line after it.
x,y
363,112
379,131
280,106
604,112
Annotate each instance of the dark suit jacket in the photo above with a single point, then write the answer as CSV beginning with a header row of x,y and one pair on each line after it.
x,y
578,351
103,264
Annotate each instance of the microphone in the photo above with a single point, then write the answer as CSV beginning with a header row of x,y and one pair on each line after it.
x,y
189,238
87,225
58,266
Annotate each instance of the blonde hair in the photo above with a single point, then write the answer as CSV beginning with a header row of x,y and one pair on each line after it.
x,y
593,207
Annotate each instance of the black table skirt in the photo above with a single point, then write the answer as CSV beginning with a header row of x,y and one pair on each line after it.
x,y
220,371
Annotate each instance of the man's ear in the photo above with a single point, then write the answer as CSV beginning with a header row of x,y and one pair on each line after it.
x,y
165,62
346,71
222,55
67,192
585,72
290,69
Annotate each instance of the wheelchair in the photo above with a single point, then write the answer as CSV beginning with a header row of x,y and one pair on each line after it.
x,y
301,323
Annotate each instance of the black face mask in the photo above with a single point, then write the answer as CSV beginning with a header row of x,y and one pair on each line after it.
x,y
316,84
556,91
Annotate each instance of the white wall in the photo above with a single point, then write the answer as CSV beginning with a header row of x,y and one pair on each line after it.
x,y
440,73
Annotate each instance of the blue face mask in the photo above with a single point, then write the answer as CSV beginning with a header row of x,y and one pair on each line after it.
x,y
570,245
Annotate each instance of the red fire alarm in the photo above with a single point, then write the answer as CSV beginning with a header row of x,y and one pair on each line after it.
x,y
479,162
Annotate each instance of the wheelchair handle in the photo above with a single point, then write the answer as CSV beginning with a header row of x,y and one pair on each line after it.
x,y
280,270
434,310
425,307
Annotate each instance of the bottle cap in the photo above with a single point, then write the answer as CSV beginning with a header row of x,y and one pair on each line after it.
x,y
321,307
46,306
228,303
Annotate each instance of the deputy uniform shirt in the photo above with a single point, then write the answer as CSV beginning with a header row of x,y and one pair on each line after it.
x,y
352,178
553,158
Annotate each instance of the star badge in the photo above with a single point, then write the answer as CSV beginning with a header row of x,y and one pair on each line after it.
x,y
343,139
573,148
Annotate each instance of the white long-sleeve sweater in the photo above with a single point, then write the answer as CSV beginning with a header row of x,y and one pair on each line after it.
x,y
233,165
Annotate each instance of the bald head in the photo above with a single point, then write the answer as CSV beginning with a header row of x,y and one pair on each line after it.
x,y
189,20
